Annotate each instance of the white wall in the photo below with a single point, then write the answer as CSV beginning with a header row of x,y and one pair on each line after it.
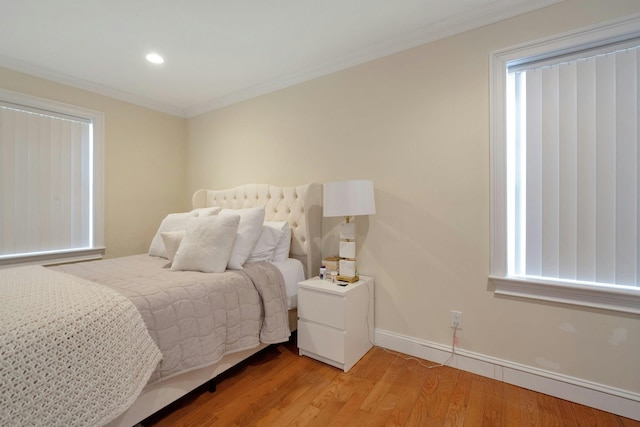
x,y
417,124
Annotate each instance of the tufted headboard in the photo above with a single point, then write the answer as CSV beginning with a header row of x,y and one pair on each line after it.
x,y
300,206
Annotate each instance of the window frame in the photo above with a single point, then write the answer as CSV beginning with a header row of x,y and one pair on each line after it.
x,y
616,298
97,249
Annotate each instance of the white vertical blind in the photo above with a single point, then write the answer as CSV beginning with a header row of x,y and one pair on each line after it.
x,y
627,237
46,181
581,162
568,173
586,164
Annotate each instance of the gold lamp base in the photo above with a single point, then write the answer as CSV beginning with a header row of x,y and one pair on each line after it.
x,y
348,279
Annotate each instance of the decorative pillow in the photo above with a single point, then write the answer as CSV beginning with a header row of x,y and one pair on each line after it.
x,y
281,253
264,249
215,210
207,244
172,222
249,230
172,241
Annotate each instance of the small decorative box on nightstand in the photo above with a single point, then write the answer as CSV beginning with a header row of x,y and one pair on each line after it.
x,y
335,323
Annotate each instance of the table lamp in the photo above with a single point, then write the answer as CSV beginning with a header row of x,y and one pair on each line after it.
x,y
348,199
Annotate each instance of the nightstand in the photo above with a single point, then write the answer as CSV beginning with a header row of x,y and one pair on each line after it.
x,y
335,323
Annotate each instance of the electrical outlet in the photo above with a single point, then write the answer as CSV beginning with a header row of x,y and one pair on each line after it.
x,y
456,319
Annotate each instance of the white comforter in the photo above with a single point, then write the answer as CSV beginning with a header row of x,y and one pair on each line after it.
x,y
197,318
72,352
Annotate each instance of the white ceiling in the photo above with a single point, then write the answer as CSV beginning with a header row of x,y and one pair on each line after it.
x,y
218,52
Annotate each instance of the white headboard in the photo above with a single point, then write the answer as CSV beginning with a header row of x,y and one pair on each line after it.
x,y
300,206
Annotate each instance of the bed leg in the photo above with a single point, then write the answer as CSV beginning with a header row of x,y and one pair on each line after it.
x,y
212,385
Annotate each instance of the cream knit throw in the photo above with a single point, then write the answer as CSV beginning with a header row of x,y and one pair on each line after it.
x,y
72,352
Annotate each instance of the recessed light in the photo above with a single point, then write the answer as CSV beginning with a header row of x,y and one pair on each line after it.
x,y
155,58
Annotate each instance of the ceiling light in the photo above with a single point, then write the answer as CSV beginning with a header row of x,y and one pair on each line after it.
x,y
155,58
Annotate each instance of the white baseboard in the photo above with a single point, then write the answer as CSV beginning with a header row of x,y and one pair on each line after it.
x,y
617,401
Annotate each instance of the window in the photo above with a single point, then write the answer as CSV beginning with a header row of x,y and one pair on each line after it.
x,y
51,180
566,168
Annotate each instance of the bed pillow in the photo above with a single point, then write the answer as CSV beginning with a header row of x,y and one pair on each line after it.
x,y
249,230
215,210
207,244
172,222
267,243
281,253
172,240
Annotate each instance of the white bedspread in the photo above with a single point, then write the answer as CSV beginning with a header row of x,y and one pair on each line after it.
x,y
58,371
196,318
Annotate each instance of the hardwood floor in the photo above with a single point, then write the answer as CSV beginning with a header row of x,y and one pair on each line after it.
x,y
279,388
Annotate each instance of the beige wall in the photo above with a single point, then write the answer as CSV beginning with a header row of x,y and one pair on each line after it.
x,y
145,160
417,124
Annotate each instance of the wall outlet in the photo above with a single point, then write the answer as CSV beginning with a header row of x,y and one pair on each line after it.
x,y
456,319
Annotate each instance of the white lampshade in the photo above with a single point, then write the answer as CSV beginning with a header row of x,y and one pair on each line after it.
x,y
349,198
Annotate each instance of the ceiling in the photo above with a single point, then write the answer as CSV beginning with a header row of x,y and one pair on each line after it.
x,y
218,52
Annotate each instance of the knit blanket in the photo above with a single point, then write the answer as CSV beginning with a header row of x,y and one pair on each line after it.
x,y
72,352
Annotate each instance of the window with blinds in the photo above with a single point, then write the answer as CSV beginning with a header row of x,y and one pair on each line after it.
x,y
566,169
50,181
573,146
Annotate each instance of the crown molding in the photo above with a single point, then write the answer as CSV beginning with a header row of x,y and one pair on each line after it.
x,y
54,76
407,41
440,30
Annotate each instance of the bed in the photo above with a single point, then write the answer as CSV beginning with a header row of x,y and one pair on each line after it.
x,y
257,315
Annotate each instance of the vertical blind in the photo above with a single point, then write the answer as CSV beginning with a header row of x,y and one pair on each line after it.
x,y
575,210
45,181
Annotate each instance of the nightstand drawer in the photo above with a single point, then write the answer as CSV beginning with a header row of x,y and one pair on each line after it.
x,y
321,340
319,307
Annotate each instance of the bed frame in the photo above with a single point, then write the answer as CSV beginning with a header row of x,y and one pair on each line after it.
x,y
301,207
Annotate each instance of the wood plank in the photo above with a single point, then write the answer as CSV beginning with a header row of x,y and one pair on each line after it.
x,y
361,389
373,364
318,381
280,388
549,411
279,397
493,404
529,404
476,402
386,405
382,386
250,394
568,414
407,387
330,401
584,414
440,398
607,419
456,411
512,414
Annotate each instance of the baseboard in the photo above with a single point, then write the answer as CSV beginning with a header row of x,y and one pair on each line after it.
x,y
617,401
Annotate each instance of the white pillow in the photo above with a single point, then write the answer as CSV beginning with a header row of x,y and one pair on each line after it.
x,y
249,230
215,210
172,241
281,253
207,244
172,222
264,249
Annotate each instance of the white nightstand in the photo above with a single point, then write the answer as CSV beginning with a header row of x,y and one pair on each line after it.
x,y
335,323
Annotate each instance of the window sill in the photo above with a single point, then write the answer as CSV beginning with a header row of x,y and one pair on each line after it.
x,y
50,258
621,299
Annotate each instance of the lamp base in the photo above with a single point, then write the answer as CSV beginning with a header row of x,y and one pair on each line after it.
x,y
348,279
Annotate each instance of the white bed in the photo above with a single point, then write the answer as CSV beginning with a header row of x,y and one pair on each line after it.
x,y
83,339
301,207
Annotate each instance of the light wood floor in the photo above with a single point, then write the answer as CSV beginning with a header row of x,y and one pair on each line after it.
x,y
280,388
